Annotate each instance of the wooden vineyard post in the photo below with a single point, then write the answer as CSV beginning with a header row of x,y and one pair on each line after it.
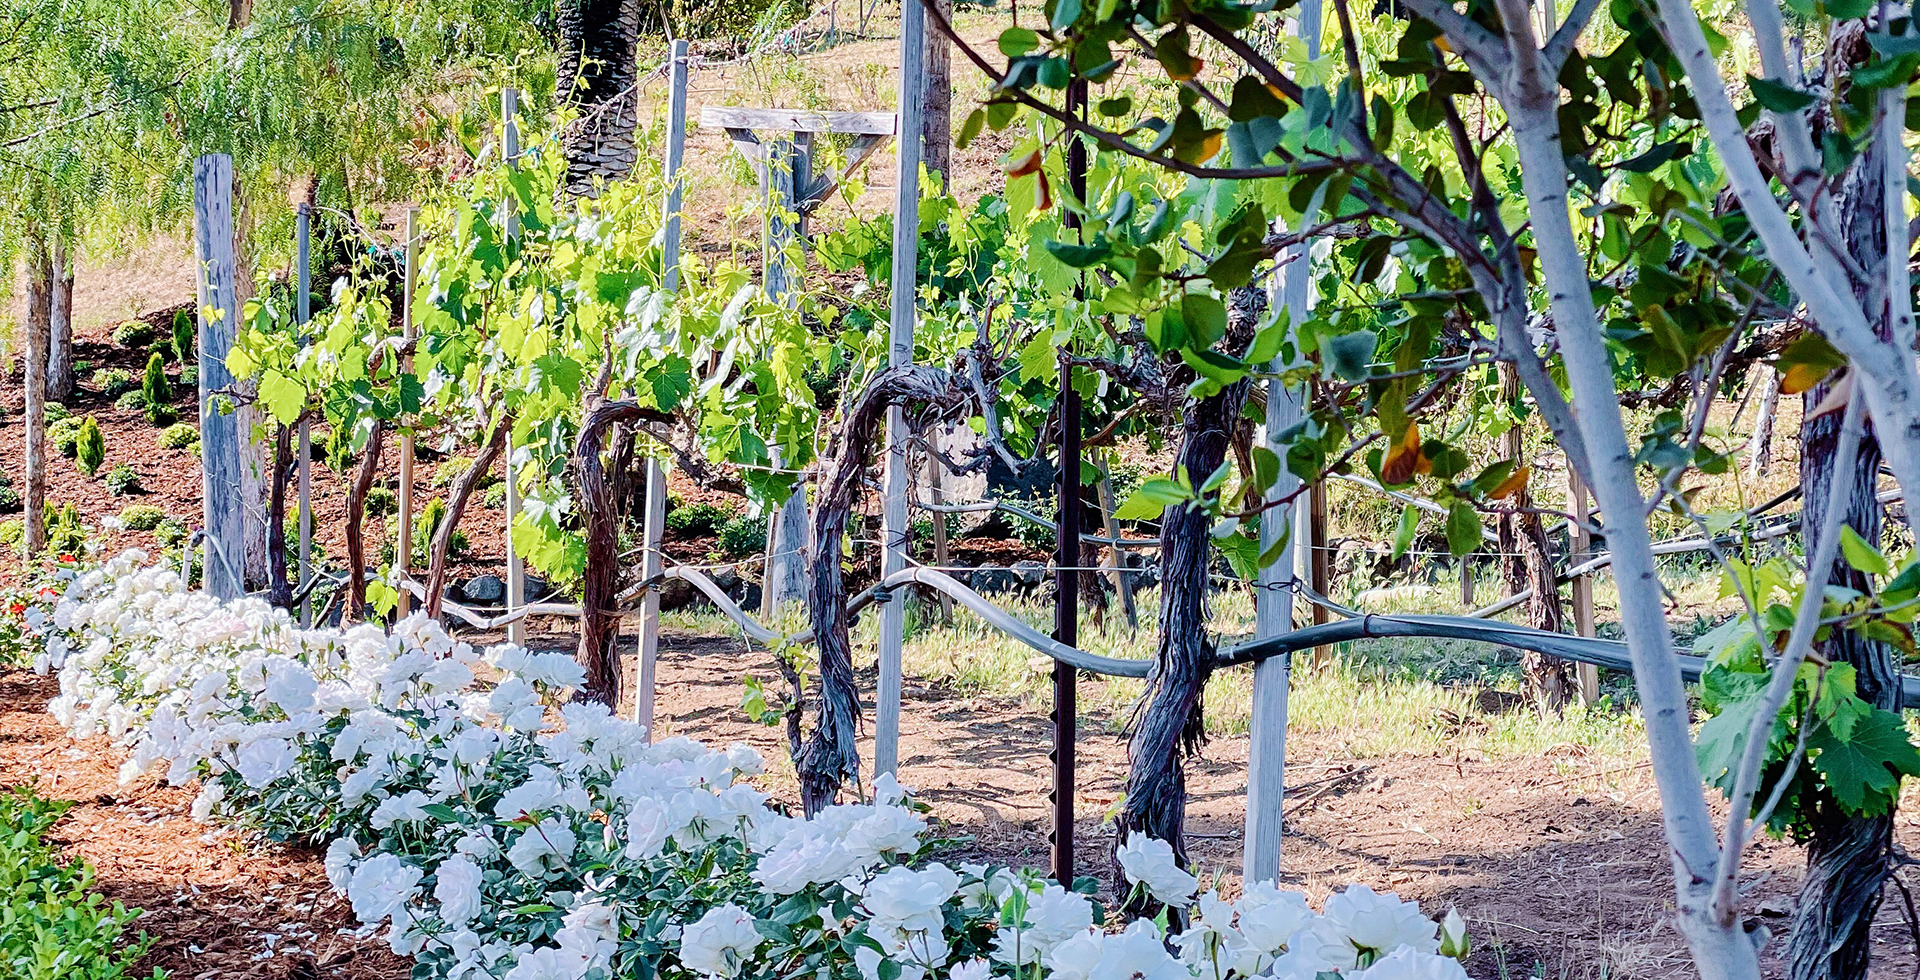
x,y
937,495
1122,580
906,263
1273,612
653,522
516,569
220,463
785,576
794,187
303,312
403,546
1581,548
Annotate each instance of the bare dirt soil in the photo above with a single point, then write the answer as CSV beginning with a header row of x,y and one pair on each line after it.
x,y
1559,876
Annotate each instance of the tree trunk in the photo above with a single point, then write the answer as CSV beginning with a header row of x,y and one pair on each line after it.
x,y
457,497
279,591
597,79
831,756
600,584
1170,724
356,607
1527,564
39,312
1849,859
60,326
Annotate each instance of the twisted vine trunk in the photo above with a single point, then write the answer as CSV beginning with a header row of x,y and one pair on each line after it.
x,y
600,584
279,590
1528,564
830,756
1849,859
597,78
457,499
356,607
1171,722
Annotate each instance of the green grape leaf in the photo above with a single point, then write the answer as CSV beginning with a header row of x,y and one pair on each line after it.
x,y
1863,771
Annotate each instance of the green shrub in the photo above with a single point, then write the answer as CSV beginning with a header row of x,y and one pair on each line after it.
x,y
743,537
190,376
113,382
64,436
169,533
57,411
184,350
161,415
382,501
90,447
13,533
82,367
66,535
178,436
495,496
133,333
696,520
10,502
142,517
159,390
123,481
132,401
57,924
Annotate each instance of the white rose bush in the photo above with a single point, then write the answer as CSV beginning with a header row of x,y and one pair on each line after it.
x,y
494,828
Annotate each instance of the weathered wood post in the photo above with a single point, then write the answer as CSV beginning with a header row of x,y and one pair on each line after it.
x,y
1118,564
220,435
784,578
653,522
1580,548
516,568
906,265
937,495
1273,612
302,313
403,546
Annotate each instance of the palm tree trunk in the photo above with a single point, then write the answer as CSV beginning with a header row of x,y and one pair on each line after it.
x,y
597,78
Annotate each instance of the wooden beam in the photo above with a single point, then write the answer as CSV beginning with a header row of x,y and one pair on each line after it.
x,y
799,120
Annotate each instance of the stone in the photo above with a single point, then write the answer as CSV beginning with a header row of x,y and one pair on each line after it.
x,y
490,589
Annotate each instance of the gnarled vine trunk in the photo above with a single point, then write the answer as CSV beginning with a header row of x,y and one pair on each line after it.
x,y
356,607
600,583
1849,859
457,498
1171,723
279,590
830,756
1527,563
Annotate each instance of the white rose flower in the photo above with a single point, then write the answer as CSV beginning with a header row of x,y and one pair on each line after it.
x,y
910,900
720,942
974,969
381,887
1267,915
1380,923
1137,954
1149,861
341,854
547,963
1407,963
543,847
263,761
457,890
